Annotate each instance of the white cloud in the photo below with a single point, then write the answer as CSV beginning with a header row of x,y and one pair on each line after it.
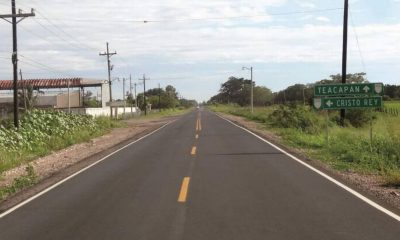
x,y
306,4
175,40
322,19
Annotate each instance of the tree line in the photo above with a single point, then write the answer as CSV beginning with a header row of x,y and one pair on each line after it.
x,y
161,98
237,91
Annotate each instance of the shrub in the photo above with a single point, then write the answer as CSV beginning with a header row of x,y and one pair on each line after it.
x,y
298,117
358,117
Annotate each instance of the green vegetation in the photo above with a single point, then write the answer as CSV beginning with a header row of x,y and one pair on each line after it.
x,y
392,108
160,98
44,131
20,183
237,91
318,135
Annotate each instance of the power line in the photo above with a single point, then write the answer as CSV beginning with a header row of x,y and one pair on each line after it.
x,y
358,43
78,44
44,66
74,45
197,19
65,33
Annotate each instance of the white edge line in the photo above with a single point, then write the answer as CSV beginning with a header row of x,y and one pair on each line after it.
x,y
75,174
348,189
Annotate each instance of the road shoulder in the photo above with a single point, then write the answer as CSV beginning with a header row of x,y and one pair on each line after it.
x,y
369,185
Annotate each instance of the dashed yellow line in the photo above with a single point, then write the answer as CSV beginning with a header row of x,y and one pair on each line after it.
x,y
184,190
193,152
199,124
197,136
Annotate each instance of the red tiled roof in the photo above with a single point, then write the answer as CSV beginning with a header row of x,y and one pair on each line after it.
x,y
44,83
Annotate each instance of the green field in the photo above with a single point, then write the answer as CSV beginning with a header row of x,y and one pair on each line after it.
x,y
392,104
319,137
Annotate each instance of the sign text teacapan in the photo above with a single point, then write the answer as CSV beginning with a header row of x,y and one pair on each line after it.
x,y
338,90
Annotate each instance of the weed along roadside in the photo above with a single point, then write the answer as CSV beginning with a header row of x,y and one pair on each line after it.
x,y
50,141
369,158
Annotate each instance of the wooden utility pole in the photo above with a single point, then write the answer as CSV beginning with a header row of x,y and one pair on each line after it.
x,y
123,94
344,56
135,84
14,21
159,97
144,93
108,54
130,91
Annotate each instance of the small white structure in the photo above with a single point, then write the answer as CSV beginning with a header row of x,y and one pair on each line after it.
x,y
96,112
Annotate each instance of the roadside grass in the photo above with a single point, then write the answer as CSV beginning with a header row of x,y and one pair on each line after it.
x,y
24,181
21,147
30,142
344,149
392,104
392,108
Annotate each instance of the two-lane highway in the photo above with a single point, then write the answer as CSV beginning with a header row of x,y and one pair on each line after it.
x,y
198,178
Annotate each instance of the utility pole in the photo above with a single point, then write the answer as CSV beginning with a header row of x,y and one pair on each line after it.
x,y
144,93
159,97
135,84
14,23
130,91
344,57
123,94
252,94
108,54
69,97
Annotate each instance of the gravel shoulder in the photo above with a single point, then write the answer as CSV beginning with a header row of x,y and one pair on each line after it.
x,y
369,185
60,164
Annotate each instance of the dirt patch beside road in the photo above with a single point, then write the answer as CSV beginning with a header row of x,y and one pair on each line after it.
x,y
60,164
369,185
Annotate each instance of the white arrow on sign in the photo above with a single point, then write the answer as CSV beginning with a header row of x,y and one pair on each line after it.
x,y
366,89
329,103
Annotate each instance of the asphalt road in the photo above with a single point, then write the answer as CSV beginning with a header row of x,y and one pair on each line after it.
x,y
198,178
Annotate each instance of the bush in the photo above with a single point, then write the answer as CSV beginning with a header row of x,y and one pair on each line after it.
x,y
298,117
358,117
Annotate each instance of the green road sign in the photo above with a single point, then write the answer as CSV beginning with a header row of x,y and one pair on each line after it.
x,y
332,103
348,89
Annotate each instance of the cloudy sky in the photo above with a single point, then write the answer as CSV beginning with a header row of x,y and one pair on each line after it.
x,y
196,45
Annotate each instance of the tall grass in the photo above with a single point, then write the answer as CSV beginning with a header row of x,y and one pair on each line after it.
x,y
347,148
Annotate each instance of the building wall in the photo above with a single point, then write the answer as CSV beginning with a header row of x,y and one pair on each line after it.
x,y
96,112
105,94
49,101
62,100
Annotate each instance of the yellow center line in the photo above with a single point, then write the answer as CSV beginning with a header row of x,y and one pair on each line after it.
x,y
199,124
184,190
193,152
197,136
